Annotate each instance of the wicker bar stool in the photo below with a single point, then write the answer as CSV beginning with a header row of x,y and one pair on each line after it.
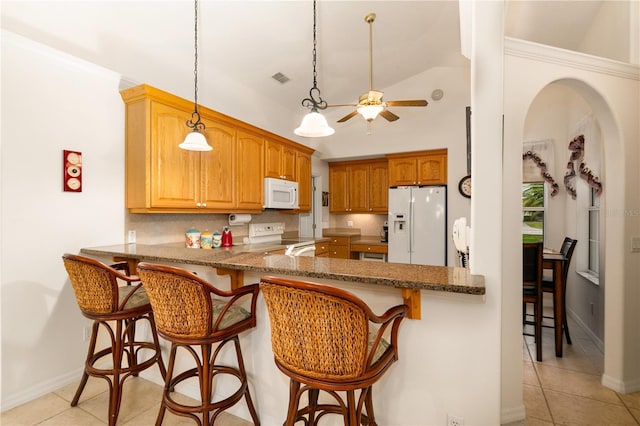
x,y
117,309
190,312
328,339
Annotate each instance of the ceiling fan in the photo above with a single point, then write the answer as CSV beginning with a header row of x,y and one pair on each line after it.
x,y
371,104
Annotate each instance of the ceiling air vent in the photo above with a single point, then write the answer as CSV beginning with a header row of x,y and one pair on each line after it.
x,y
280,78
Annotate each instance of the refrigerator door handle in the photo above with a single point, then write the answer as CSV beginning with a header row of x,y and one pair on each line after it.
x,y
411,219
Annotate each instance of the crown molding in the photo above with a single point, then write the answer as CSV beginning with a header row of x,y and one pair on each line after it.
x,y
570,58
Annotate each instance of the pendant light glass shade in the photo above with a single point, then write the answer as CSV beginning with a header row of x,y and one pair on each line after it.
x,y
370,112
195,141
314,125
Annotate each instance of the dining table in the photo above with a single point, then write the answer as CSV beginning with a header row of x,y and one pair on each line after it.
x,y
554,260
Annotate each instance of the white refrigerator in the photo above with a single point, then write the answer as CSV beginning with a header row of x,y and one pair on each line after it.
x,y
418,225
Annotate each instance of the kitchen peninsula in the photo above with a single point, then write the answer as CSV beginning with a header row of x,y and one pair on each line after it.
x,y
410,279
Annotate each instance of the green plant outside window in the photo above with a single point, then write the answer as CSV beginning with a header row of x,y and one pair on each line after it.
x,y
533,212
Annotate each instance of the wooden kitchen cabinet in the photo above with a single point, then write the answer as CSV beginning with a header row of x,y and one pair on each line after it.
x,y
279,160
338,188
250,166
172,178
303,174
418,168
358,186
340,247
322,250
162,178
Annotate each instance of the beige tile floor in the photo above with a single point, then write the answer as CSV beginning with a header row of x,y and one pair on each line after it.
x,y
141,410
557,391
567,390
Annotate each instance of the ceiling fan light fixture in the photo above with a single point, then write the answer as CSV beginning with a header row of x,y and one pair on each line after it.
x,y
314,125
370,112
195,141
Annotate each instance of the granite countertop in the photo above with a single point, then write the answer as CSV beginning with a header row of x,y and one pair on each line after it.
x,y
370,240
340,232
419,277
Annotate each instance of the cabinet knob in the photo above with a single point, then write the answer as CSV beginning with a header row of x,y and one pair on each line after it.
x,y
204,204
197,204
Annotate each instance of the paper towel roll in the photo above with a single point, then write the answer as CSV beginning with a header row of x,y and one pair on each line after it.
x,y
239,219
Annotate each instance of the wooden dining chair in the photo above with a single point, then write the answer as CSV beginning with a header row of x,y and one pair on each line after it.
x,y
532,290
326,339
548,286
192,313
116,308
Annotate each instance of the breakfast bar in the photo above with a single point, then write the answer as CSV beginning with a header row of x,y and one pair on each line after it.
x,y
434,347
409,279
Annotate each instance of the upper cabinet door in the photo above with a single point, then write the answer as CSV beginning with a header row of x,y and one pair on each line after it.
x,y
219,166
378,187
279,160
303,172
432,170
250,166
338,189
175,173
402,171
358,188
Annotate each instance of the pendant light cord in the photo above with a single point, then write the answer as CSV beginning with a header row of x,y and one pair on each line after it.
x,y
195,122
311,102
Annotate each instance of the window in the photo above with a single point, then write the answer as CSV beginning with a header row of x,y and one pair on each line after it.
x,y
593,212
533,212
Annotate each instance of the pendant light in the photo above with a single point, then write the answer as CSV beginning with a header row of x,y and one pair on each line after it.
x,y
195,141
314,124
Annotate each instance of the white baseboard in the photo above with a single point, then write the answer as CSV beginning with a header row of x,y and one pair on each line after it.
x,y
617,385
621,386
511,415
596,340
39,389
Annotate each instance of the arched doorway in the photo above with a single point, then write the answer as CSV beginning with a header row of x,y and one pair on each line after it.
x,y
609,98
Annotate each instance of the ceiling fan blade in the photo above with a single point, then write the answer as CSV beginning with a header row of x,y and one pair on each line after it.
x,y
389,115
417,102
348,116
342,105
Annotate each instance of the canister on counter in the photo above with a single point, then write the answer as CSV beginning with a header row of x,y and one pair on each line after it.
x,y
192,238
206,240
217,240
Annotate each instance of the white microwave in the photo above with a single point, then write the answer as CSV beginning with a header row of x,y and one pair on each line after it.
x,y
280,194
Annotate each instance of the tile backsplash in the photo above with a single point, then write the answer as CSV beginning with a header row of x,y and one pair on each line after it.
x,y
160,228
369,224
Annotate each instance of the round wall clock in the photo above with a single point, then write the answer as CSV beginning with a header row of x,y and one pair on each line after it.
x,y
465,186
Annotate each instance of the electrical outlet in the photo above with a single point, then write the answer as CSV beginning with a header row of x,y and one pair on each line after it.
x,y
86,333
349,224
131,237
454,421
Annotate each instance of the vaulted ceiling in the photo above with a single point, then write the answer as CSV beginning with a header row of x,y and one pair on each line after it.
x,y
153,41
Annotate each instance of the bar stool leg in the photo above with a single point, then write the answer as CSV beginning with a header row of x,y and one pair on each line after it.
x,y
292,411
369,405
243,372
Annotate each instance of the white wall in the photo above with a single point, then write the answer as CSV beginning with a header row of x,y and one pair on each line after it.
x,y
52,102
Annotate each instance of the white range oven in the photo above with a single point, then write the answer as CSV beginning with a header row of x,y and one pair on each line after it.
x,y
271,233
